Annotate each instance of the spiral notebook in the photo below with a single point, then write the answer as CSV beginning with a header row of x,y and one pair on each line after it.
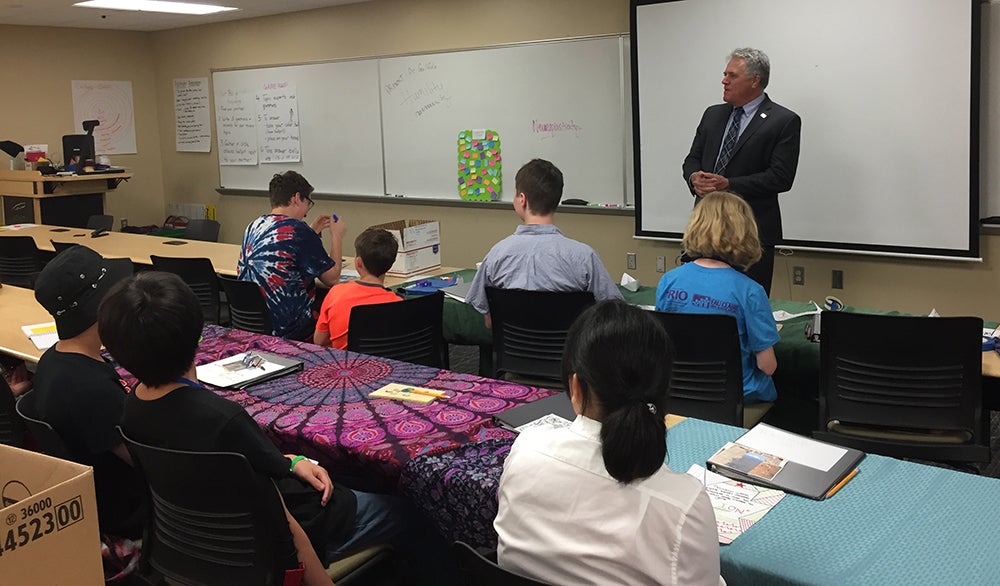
x,y
234,372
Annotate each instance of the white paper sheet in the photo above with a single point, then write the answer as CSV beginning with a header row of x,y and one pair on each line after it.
x,y
235,121
43,336
192,125
790,446
278,124
110,102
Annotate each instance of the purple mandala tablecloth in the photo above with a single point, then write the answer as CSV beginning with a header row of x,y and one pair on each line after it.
x,y
324,411
457,490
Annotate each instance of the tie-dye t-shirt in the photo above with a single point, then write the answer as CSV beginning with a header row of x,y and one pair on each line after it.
x,y
284,256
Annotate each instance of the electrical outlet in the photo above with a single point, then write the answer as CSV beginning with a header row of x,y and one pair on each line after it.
x,y
661,264
630,261
837,279
798,275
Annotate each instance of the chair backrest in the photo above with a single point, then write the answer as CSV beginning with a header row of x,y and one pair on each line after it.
x,y
707,379
477,570
530,327
247,307
101,222
408,330
48,439
20,261
917,374
199,274
205,230
212,518
61,246
11,426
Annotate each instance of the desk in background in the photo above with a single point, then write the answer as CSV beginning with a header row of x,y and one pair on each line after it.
x,y
19,308
30,197
136,247
895,523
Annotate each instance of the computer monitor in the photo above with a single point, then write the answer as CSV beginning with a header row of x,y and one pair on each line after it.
x,y
78,148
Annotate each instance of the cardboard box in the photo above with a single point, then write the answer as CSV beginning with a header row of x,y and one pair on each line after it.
x,y
416,261
419,246
48,523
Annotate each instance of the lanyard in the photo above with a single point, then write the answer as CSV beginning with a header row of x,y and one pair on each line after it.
x,y
191,383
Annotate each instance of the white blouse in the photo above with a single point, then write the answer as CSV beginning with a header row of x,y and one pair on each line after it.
x,y
564,520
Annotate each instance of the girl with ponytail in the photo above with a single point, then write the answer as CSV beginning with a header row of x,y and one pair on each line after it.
x,y
594,503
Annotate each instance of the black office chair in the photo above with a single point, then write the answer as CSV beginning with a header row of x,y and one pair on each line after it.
x,y
247,307
213,519
205,230
48,439
905,387
477,570
20,261
101,222
707,379
408,330
199,274
530,327
61,246
11,426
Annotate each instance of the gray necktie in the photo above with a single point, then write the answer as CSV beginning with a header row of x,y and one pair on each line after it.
x,y
732,135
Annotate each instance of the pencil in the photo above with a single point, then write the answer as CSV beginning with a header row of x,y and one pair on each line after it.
x,y
841,484
425,392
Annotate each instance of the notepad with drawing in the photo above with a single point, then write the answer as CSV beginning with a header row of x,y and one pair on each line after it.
x,y
772,457
245,369
43,336
402,392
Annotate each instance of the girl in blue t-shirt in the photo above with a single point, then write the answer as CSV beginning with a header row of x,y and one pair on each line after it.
x,y
721,236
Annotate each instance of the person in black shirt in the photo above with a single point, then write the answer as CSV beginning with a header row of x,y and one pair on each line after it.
x,y
79,394
151,324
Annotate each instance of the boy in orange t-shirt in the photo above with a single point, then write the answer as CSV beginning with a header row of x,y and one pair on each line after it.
x,y
376,251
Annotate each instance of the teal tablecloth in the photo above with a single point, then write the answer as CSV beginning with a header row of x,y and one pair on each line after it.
x,y
896,522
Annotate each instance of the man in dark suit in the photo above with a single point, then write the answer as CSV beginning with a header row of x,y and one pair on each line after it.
x,y
750,146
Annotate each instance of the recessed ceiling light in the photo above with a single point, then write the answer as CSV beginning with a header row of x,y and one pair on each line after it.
x,y
155,6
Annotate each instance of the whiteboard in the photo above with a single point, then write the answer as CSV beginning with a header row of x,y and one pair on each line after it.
x,y
390,125
560,100
338,121
886,117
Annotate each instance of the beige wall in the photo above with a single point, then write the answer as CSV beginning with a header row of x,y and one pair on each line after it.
x,y
382,27
36,104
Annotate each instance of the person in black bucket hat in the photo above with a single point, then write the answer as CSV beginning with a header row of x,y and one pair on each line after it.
x,y
79,393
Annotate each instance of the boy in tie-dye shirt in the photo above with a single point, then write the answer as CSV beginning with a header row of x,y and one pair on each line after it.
x,y
284,256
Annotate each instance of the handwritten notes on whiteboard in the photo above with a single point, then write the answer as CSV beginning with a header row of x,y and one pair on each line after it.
x,y
193,131
258,126
234,121
278,124
418,89
109,102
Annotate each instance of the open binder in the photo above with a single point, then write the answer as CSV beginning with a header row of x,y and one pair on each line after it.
x,y
772,457
245,369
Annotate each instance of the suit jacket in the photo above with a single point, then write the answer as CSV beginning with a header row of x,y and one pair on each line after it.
x,y
763,162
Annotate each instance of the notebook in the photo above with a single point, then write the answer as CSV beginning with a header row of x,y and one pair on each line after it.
x,y
772,457
459,291
237,372
522,416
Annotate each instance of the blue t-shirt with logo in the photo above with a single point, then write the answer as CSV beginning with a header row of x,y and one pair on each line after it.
x,y
691,288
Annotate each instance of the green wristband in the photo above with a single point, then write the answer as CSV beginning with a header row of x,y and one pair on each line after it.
x,y
295,461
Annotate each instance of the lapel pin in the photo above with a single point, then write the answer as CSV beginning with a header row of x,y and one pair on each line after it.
x,y
763,115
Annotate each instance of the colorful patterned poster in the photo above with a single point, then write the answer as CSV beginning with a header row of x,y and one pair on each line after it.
x,y
479,176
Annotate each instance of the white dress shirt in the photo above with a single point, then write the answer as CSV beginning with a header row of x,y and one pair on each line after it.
x,y
564,520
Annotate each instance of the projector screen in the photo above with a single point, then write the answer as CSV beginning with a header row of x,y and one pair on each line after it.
x,y
888,93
